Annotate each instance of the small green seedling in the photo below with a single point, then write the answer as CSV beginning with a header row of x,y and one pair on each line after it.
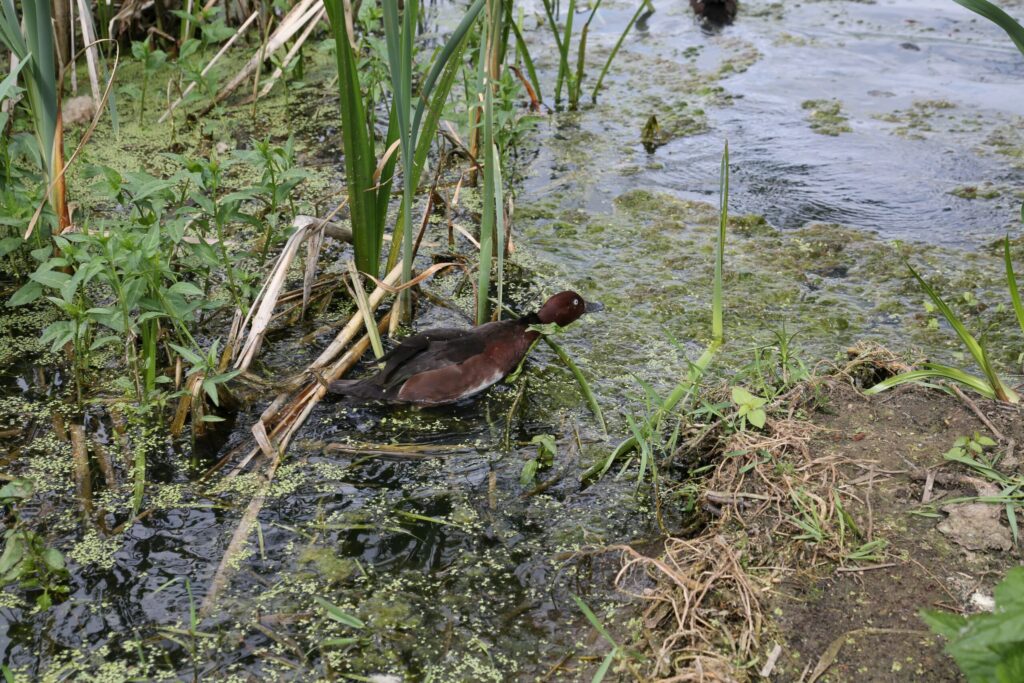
x,y
547,449
750,407
969,444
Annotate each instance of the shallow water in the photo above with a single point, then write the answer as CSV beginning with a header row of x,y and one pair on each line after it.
x,y
458,575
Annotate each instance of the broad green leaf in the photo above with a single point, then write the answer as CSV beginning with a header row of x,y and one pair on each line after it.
x,y
336,613
53,279
185,289
741,396
17,489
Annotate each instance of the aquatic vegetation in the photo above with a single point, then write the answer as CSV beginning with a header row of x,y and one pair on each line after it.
x,y
571,71
826,117
152,60
26,560
688,386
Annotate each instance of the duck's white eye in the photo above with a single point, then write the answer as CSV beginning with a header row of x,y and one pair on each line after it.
x,y
575,302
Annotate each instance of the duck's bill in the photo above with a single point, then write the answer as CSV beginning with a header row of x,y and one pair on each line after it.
x,y
593,307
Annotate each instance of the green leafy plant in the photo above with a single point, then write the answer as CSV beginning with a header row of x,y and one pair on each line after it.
x,y
988,648
547,451
152,60
749,408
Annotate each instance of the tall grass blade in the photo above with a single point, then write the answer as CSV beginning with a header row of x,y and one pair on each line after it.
x,y
446,54
581,58
433,94
499,221
717,328
1011,281
966,337
425,139
998,17
400,59
360,162
487,220
31,40
563,48
615,50
564,73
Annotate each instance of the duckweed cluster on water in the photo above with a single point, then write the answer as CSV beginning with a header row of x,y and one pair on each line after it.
x,y
826,117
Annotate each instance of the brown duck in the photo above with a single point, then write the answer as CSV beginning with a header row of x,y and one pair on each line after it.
x,y
446,365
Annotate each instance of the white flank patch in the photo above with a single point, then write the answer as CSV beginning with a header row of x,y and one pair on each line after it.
x,y
482,385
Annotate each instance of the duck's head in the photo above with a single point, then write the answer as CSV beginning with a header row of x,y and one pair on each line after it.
x,y
565,307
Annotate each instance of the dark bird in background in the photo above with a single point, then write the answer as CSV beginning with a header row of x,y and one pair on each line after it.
x,y
715,12
446,365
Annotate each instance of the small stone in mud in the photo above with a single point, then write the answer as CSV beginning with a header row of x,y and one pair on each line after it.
x,y
976,526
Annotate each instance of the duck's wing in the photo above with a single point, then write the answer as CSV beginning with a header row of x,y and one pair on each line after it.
x,y
427,350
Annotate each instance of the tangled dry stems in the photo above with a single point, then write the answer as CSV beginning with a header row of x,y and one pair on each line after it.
x,y
703,619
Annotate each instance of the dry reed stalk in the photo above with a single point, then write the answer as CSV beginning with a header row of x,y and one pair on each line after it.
x,y
358,292
279,71
290,24
106,467
313,245
220,53
261,312
690,582
91,53
80,454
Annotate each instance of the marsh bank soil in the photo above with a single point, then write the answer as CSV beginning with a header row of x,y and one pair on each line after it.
x,y
882,446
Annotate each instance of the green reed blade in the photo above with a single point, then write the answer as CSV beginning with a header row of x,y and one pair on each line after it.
x,y
499,221
1011,281
425,136
998,17
487,220
581,57
585,389
564,73
717,327
360,161
685,388
35,47
444,57
400,58
615,50
936,371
